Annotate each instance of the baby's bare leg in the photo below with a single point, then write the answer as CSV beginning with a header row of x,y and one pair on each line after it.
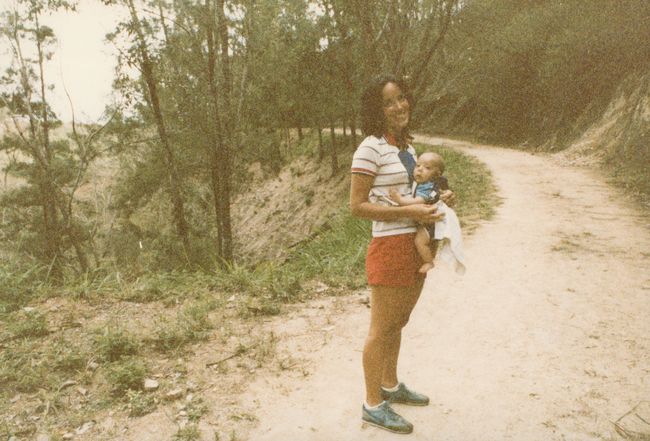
x,y
423,245
434,247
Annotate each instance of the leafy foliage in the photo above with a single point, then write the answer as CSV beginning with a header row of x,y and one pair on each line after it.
x,y
520,70
42,212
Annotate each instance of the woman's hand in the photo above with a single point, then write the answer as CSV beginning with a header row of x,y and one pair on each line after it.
x,y
360,186
448,197
425,213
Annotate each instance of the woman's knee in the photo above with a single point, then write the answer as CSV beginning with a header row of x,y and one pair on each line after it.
x,y
404,319
386,331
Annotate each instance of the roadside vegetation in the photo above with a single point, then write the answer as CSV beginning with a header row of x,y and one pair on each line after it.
x,y
73,352
540,75
118,256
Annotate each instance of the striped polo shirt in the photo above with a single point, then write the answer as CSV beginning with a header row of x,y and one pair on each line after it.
x,y
377,158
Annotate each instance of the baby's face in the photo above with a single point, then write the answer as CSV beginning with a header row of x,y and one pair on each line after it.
x,y
426,168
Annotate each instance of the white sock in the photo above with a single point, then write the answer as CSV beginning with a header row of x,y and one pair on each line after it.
x,y
391,389
369,407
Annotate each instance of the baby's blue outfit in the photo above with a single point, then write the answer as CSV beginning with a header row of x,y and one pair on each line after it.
x,y
430,192
427,191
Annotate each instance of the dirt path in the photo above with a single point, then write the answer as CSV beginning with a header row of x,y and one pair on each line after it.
x,y
547,336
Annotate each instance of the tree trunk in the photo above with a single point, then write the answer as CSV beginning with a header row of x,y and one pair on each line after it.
x,y
335,162
370,62
321,148
430,45
173,176
51,223
51,231
227,137
349,64
215,151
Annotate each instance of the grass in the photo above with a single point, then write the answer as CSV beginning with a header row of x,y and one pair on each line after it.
x,y
32,364
23,368
114,343
632,171
27,324
68,357
19,284
188,433
192,324
196,409
139,403
112,360
125,375
334,255
169,286
337,255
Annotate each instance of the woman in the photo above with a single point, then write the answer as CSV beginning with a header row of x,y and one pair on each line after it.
x,y
384,160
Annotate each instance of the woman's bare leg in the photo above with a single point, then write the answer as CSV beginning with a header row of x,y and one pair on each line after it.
x,y
389,373
390,311
389,377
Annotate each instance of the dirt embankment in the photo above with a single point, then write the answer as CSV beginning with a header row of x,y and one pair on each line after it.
x,y
274,215
619,140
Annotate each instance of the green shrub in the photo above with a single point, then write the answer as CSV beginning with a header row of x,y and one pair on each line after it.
x,y
168,336
23,368
19,283
27,324
139,403
67,357
237,278
114,343
188,433
127,374
336,256
192,324
196,409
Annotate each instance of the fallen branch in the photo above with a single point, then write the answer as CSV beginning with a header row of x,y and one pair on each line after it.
x,y
240,350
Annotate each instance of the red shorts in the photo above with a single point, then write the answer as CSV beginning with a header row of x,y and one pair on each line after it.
x,y
393,261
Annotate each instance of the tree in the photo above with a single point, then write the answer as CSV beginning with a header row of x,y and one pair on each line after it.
x,y
517,70
149,77
230,76
221,158
52,167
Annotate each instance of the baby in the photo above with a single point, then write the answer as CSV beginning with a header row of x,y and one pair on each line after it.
x,y
430,183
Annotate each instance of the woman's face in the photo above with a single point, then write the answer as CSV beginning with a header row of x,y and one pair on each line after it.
x,y
396,108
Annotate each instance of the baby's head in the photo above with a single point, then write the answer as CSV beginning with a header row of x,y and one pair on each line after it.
x,y
429,166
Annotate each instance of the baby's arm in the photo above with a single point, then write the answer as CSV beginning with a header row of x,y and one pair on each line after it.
x,y
404,200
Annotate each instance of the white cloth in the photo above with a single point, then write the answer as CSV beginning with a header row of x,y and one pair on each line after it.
x,y
451,245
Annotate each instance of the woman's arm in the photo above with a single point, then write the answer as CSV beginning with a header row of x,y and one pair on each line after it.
x,y
360,207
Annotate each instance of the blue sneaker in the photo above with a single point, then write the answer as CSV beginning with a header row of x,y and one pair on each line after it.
x,y
385,418
404,395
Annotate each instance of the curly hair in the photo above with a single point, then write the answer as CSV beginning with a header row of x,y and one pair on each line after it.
x,y
373,121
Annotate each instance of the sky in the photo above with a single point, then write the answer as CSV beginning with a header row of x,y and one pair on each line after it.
x,y
83,59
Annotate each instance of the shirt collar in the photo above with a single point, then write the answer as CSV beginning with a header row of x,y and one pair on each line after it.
x,y
392,141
